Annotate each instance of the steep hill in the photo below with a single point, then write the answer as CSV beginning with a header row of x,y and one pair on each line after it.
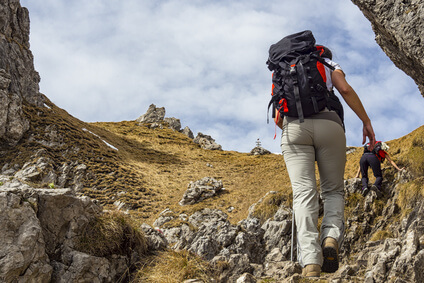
x,y
148,170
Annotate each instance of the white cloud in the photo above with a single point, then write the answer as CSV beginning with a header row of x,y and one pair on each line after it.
x,y
204,61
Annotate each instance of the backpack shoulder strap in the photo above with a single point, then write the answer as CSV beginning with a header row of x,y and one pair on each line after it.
x,y
322,60
293,73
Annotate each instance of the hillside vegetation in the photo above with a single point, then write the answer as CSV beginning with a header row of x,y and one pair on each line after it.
x,y
148,170
144,171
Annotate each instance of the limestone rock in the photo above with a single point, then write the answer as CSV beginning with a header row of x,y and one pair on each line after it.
x,y
155,239
399,30
23,256
18,79
186,131
153,115
207,142
201,190
173,123
258,150
40,230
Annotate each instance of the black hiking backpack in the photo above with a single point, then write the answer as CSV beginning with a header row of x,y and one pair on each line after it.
x,y
298,79
377,150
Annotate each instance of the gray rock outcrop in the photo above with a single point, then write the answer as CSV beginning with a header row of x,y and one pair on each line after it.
x,y
153,115
399,30
207,142
41,169
187,131
18,79
258,150
200,190
263,250
41,229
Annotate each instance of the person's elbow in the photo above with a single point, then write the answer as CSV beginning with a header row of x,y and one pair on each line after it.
x,y
344,89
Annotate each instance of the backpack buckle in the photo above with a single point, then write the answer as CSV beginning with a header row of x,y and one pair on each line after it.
x,y
293,70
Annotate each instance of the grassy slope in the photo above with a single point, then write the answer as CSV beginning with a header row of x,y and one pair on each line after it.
x,y
151,169
170,161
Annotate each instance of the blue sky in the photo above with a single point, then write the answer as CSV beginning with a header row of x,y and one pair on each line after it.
x,y
204,61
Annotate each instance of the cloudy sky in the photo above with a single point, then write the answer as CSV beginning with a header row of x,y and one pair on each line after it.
x,y
204,61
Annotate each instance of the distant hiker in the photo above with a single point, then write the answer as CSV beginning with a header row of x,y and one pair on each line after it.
x,y
314,132
373,158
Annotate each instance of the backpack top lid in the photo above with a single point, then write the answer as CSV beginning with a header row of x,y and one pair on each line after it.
x,y
324,52
301,42
375,150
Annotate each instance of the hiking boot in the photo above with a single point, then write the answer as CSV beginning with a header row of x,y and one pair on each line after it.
x,y
365,191
311,270
330,251
377,191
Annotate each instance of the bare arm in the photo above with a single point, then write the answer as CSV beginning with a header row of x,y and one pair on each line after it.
x,y
393,163
357,173
352,99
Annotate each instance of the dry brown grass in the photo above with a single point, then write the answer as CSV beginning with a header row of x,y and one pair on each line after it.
x,y
175,267
173,161
111,233
151,169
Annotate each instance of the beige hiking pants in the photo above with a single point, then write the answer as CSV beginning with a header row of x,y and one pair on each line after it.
x,y
302,144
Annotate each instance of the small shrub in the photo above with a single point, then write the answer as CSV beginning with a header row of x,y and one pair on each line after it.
x,y
1,183
51,185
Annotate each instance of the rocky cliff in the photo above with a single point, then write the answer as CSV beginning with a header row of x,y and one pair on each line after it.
x,y
399,30
18,79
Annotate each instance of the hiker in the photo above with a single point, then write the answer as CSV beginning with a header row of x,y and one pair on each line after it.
x,y
320,138
374,158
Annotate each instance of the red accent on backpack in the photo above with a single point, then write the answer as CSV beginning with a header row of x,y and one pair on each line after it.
x,y
321,70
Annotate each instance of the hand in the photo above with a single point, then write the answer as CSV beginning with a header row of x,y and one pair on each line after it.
x,y
368,131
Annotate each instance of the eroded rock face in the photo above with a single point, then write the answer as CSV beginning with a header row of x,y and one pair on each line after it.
x,y
18,79
22,246
399,30
40,227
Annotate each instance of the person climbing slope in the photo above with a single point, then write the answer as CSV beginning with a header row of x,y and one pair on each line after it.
x,y
374,158
313,130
